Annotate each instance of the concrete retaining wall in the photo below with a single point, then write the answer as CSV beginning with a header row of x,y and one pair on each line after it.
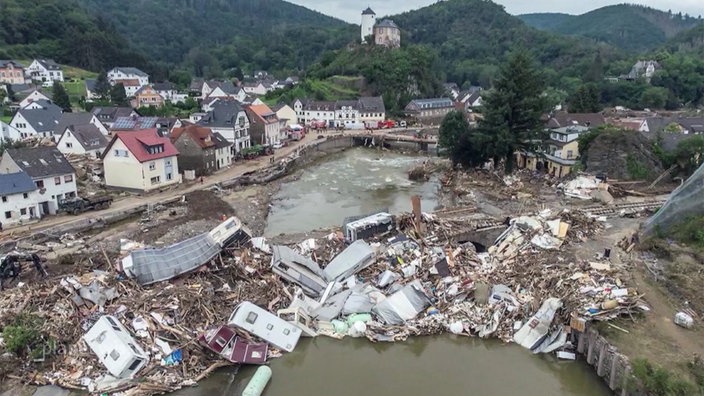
x,y
613,367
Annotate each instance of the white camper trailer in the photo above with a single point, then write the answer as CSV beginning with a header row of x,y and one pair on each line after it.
x,y
353,259
115,347
265,325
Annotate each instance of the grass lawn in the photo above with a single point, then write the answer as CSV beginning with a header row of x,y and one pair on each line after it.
x,y
6,119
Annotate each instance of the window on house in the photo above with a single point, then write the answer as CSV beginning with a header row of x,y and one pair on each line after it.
x,y
570,153
168,176
57,180
152,165
69,145
39,183
156,179
8,214
25,195
168,162
4,198
23,211
68,178
251,318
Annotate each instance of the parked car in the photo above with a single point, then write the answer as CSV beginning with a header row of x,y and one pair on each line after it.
x,y
277,145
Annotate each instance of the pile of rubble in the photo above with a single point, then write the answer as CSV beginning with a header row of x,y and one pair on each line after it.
x,y
403,280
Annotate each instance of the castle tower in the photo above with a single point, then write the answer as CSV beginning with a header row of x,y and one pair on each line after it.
x,y
368,22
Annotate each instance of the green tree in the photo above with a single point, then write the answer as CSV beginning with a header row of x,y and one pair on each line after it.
x,y
654,97
118,97
60,97
452,128
585,100
596,69
512,110
102,86
10,92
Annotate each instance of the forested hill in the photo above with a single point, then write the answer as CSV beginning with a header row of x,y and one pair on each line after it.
x,y
627,26
689,41
474,36
61,30
251,34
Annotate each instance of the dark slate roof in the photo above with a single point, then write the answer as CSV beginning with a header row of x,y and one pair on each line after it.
x,y
692,124
41,161
223,115
49,64
110,113
72,119
44,119
368,11
387,23
15,183
90,84
374,104
319,106
132,70
196,84
220,141
562,119
226,86
434,103
346,103
4,63
164,86
89,136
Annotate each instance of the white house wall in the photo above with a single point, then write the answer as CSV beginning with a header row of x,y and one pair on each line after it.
x,y
11,207
128,173
22,128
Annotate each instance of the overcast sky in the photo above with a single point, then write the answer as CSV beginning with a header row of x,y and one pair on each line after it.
x,y
351,10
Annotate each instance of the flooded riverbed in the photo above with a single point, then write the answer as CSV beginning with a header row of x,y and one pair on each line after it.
x,y
354,182
360,181
442,365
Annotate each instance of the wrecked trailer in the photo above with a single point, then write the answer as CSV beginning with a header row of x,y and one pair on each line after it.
x,y
152,265
265,325
369,226
356,257
225,342
115,347
298,269
403,305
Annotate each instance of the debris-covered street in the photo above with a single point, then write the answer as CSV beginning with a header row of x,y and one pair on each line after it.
x,y
167,285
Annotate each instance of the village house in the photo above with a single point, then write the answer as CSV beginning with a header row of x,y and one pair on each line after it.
x,y
108,114
133,123
365,110
11,72
131,78
18,198
167,90
309,111
7,131
387,34
256,88
264,125
200,149
643,69
429,109
452,90
51,173
86,140
371,110
33,97
78,119
564,119
559,155
286,114
147,96
230,120
470,100
37,119
90,89
140,160
46,71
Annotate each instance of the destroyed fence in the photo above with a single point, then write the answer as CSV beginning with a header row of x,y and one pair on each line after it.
x,y
612,366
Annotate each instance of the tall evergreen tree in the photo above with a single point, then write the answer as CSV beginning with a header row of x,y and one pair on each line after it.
x,y
102,86
512,110
118,97
585,100
60,97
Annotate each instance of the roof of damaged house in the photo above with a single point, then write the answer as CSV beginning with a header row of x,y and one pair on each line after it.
x,y
563,119
261,112
88,136
15,183
202,136
138,143
110,113
72,119
43,119
222,115
42,161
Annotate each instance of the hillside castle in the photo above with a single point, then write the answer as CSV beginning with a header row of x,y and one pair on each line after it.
x,y
384,32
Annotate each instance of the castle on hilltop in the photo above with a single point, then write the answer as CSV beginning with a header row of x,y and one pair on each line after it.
x,y
385,32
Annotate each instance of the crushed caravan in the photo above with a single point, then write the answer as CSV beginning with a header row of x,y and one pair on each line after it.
x,y
403,305
534,332
356,257
298,269
152,265
369,226
265,325
115,347
225,342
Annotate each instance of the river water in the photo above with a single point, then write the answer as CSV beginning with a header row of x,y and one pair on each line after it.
x,y
360,181
355,182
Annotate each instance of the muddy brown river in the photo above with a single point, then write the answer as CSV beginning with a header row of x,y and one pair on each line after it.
x,y
360,181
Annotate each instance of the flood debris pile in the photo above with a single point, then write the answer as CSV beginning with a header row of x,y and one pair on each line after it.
x,y
163,318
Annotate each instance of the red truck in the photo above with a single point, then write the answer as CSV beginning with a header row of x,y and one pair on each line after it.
x,y
386,124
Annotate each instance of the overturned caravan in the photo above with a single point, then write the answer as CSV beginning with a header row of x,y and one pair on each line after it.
x,y
150,265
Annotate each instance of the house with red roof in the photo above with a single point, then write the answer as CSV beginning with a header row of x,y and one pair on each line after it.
x,y
263,124
140,160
